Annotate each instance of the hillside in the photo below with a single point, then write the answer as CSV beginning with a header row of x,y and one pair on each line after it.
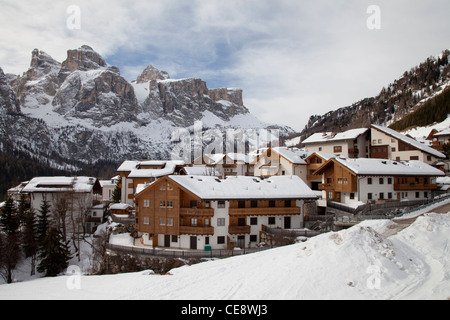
x,y
399,99
363,262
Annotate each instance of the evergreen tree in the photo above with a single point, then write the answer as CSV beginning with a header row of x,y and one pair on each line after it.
x,y
9,224
43,221
30,238
117,194
55,254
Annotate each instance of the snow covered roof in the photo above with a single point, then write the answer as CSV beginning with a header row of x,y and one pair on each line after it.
x,y
119,206
220,158
364,166
168,167
409,141
296,156
330,136
243,187
60,184
201,171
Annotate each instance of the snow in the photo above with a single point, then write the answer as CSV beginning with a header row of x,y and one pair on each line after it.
x,y
328,136
60,184
363,166
359,263
410,141
243,187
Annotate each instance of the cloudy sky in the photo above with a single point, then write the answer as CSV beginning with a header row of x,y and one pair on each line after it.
x,y
292,58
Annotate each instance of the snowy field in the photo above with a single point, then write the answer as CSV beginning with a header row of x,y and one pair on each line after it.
x,y
362,262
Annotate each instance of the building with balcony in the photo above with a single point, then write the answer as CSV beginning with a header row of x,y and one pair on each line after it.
x,y
376,180
205,212
352,143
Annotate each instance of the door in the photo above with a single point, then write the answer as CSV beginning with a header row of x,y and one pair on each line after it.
x,y
193,243
167,241
287,222
241,242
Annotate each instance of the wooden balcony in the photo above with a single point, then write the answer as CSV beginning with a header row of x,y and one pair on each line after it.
x,y
414,186
197,230
238,229
314,177
285,211
326,186
196,212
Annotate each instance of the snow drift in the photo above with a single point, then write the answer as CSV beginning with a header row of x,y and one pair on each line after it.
x,y
362,262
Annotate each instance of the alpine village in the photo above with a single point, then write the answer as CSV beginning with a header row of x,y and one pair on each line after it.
x,y
153,211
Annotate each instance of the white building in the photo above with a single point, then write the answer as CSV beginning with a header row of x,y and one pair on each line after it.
x,y
352,143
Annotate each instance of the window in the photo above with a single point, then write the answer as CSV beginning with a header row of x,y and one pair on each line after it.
x,y
174,238
146,220
369,196
254,204
162,204
337,149
206,222
169,222
352,196
163,187
221,240
374,141
194,222
381,180
320,148
147,203
345,181
169,204
428,158
381,195
220,222
162,221
221,204
369,180
169,187
393,149
339,180
253,238
241,204
414,158
206,240
329,180
425,194
417,194
271,203
253,221
271,220
380,141
389,180
287,203
389,195
207,204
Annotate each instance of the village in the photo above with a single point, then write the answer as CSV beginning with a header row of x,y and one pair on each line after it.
x,y
241,201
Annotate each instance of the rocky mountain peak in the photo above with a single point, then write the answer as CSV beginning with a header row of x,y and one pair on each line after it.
x,y
83,59
41,64
151,73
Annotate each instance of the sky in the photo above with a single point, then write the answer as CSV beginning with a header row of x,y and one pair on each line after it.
x,y
291,58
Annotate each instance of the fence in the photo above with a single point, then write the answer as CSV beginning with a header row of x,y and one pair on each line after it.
x,y
186,254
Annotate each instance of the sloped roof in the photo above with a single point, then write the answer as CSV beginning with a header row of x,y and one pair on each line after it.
x,y
329,136
364,166
242,187
410,141
295,156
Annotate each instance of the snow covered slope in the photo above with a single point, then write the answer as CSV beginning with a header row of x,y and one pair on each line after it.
x,y
362,262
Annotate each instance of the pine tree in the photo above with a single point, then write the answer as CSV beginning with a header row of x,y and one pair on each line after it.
x,y
43,221
116,195
30,238
9,225
55,253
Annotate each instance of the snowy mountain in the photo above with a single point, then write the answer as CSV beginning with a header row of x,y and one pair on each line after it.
x,y
399,99
82,110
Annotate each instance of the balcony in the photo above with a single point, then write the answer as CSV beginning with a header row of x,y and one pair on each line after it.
x,y
238,229
197,230
326,186
414,186
196,212
271,211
